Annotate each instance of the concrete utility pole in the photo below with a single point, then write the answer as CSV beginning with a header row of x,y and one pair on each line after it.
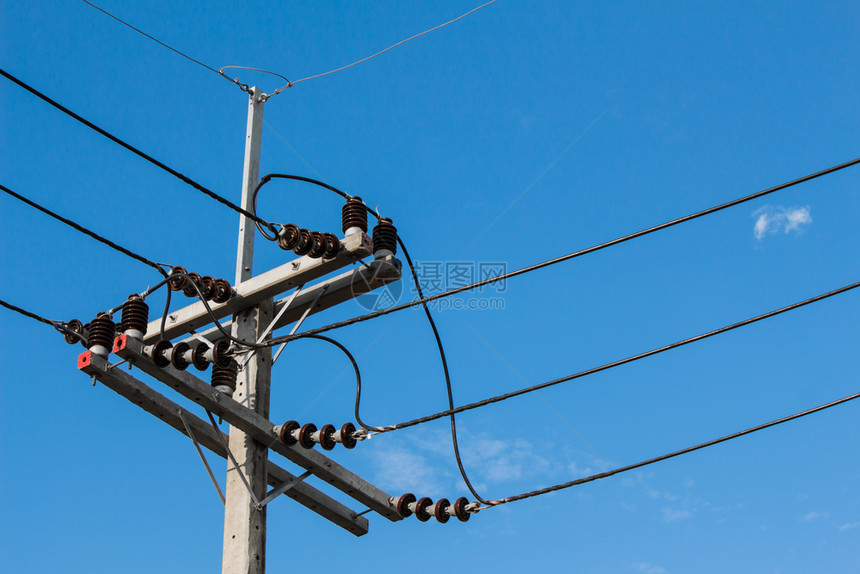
x,y
244,521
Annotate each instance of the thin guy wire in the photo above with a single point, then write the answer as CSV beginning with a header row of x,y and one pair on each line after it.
x,y
620,362
136,151
291,84
243,87
569,256
85,231
670,455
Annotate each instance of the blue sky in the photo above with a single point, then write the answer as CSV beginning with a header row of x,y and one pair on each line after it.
x,y
525,131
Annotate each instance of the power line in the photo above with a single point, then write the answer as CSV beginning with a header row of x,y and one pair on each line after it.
x,y
244,87
136,151
567,257
58,325
84,230
291,84
620,362
670,455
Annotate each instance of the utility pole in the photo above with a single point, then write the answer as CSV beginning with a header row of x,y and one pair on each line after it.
x,y
244,519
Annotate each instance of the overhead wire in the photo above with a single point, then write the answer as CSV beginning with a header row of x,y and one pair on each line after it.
x,y
643,463
185,179
85,231
567,257
58,325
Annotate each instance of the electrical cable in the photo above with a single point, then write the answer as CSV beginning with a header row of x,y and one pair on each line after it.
x,y
670,455
291,84
619,362
575,254
263,181
85,231
131,148
243,87
58,325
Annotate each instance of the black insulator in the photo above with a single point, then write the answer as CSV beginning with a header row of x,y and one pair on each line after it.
x,y
459,509
178,358
286,431
319,245
305,242
346,436
440,510
288,236
188,290
101,333
384,236
332,245
75,326
354,214
159,353
219,356
224,378
422,509
306,435
198,356
402,502
325,437
135,315
177,283
207,287
223,291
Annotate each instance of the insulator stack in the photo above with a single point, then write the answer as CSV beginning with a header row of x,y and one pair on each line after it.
x,y
135,316
189,289
101,334
308,435
305,242
207,287
177,283
354,216
384,238
224,378
178,355
223,291
317,245
198,356
332,245
218,290
288,237
160,352
424,508
75,326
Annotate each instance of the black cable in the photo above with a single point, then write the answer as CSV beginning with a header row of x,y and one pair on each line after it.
x,y
671,455
58,325
134,150
562,258
85,231
263,181
620,362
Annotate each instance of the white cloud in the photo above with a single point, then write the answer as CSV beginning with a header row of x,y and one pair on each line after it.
x,y
848,526
813,516
651,569
675,514
771,219
402,469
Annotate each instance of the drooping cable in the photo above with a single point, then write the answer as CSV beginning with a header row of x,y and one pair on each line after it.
x,y
58,325
575,254
85,231
131,148
620,362
630,467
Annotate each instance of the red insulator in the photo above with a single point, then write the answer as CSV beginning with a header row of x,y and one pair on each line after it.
x,y
188,290
458,509
224,378
101,334
75,326
422,509
354,214
178,358
305,435
325,437
207,287
319,245
384,237
223,291
440,510
177,283
135,316
346,436
198,356
287,431
332,245
288,237
305,242
160,353
402,502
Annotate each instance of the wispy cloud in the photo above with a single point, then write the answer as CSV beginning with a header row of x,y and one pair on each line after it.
x,y
651,568
675,514
772,219
813,516
403,469
848,526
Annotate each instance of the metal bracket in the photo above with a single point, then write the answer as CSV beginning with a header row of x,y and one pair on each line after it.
x,y
233,460
272,324
300,321
287,484
202,457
